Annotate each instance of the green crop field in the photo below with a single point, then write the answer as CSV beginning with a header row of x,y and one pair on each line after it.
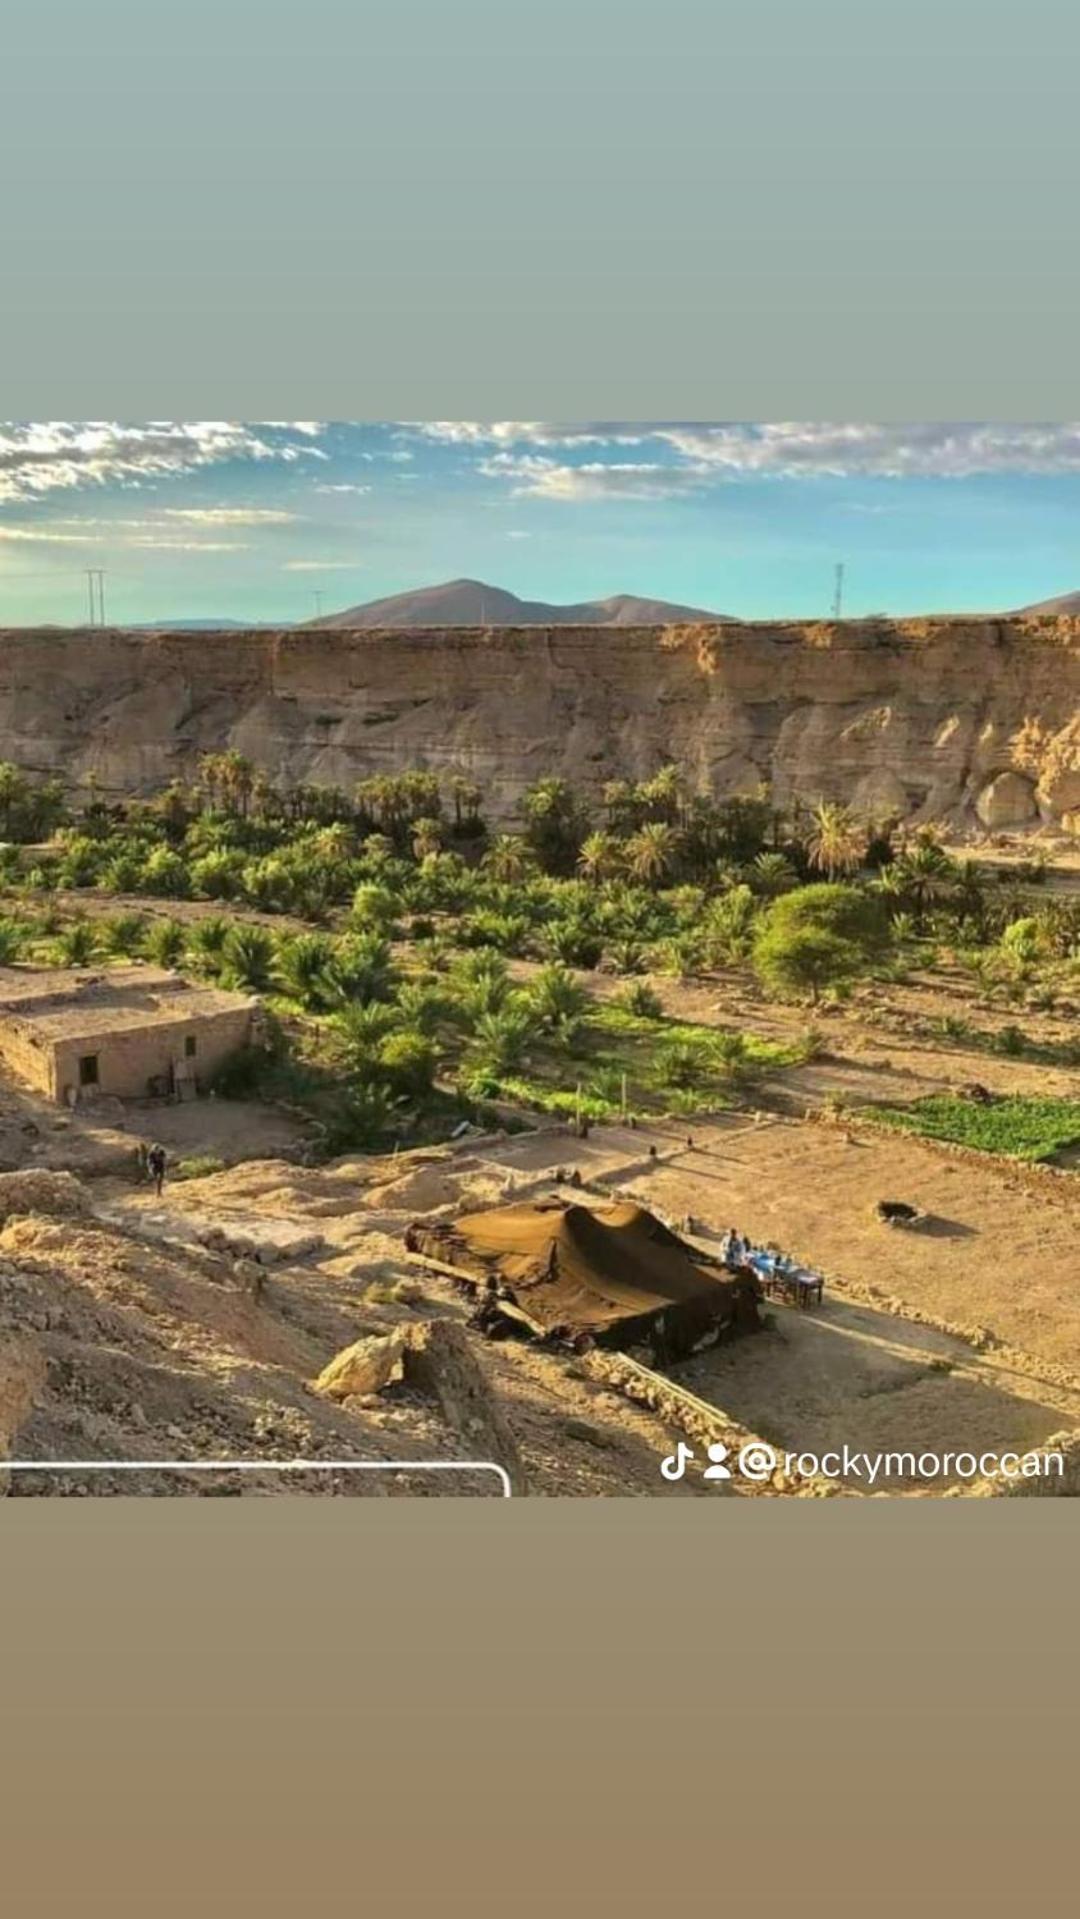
x,y
1030,1129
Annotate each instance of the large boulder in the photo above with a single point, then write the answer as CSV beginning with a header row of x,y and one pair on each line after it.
x,y
365,1367
1008,800
881,795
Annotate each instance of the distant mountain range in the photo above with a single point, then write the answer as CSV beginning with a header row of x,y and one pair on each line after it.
x,y
1065,603
472,603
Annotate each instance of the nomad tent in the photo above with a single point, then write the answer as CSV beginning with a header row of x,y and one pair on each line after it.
x,y
613,1275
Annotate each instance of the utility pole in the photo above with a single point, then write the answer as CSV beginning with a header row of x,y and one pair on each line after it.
x,y
838,596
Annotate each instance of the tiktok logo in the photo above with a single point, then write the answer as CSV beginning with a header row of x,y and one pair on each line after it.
x,y
674,1466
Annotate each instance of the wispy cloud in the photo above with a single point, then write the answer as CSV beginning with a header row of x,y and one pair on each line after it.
x,y
229,515
790,450
30,535
153,538
343,486
165,545
321,566
46,457
509,433
534,476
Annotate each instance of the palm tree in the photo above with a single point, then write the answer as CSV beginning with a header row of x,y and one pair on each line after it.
x,y
466,796
12,796
501,1039
925,873
509,859
772,874
427,834
206,942
12,940
558,999
651,852
662,794
164,942
600,856
77,944
303,967
248,958
837,840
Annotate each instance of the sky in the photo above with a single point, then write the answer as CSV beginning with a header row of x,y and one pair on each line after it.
x,y
278,521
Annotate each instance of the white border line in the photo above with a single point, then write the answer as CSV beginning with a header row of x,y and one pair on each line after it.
x,y
260,1466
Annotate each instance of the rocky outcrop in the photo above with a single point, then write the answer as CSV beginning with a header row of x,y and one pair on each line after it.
x,y
1007,800
916,716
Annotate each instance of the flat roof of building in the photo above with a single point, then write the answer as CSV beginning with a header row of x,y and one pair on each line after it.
x,y
58,1003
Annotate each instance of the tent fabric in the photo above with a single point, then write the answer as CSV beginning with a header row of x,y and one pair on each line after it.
x,y
612,1272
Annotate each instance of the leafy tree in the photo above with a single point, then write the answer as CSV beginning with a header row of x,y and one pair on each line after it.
x,y
819,937
804,959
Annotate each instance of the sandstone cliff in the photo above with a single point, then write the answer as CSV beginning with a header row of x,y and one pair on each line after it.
x,y
924,717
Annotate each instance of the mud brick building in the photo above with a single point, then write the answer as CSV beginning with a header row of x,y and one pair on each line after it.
x,y
129,1032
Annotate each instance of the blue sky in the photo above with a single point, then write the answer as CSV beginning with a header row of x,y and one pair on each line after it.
x,y
270,521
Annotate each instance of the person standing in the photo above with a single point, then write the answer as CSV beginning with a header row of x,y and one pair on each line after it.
x,y
155,1166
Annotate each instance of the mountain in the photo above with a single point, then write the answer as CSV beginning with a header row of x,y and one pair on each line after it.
x,y
1065,603
194,626
472,603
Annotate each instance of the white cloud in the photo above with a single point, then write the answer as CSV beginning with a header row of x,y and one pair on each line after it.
x,y
321,566
55,455
935,450
534,476
707,451
29,534
165,545
508,433
343,486
516,533
229,515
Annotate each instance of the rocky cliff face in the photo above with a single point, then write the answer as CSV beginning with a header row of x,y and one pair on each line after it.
x,y
932,718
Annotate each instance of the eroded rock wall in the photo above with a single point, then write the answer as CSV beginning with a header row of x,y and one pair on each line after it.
x,y
919,717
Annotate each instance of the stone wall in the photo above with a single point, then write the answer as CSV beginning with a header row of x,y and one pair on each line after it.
x,y
127,1061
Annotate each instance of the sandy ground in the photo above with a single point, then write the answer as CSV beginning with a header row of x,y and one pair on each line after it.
x,y
1000,1248
862,1371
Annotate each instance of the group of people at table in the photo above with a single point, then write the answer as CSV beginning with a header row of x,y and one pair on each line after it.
x,y
777,1272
